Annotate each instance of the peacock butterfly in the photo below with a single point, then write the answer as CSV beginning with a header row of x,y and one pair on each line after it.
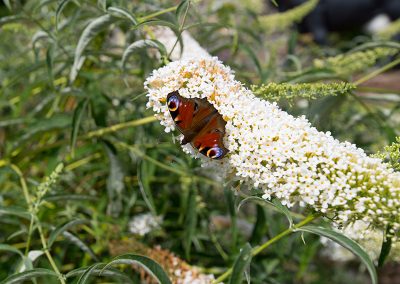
x,y
200,123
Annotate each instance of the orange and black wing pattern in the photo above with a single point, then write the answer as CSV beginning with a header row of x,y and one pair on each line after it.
x,y
200,123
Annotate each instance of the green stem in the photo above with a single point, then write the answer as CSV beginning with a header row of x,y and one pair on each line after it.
x,y
148,17
47,252
116,127
377,72
28,242
259,249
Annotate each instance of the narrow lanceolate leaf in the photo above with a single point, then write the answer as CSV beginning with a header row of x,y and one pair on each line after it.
x,y
15,211
24,264
123,14
241,263
144,173
89,272
59,10
76,241
190,222
115,181
385,250
50,63
40,35
5,247
87,35
28,275
181,10
344,241
275,203
283,209
102,4
60,229
109,272
8,4
140,44
146,263
76,122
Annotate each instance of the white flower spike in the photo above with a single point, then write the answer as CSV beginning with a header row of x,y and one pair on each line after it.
x,y
282,155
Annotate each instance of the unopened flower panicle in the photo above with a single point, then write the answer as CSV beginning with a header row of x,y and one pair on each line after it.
x,y
350,63
276,92
282,155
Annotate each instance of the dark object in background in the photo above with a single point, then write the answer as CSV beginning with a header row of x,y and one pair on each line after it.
x,y
341,15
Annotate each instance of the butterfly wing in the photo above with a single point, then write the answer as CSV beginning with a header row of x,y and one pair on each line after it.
x,y
209,141
200,123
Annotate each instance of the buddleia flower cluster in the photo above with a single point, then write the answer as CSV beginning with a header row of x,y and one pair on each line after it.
x,y
143,224
179,271
279,154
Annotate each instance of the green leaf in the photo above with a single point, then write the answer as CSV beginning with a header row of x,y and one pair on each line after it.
x,y
241,263
102,4
28,275
110,272
59,10
253,57
275,203
231,202
190,221
7,4
260,229
15,211
76,122
56,122
10,19
144,173
170,25
122,13
344,241
60,229
94,27
115,181
89,271
182,10
50,63
274,2
283,209
5,247
70,197
140,44
148,264
385,249
25,262
39,35
76,241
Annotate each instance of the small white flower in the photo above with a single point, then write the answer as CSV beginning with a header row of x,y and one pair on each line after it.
x,y
143,224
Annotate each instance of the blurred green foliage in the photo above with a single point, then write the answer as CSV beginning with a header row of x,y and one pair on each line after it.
x,y
118,162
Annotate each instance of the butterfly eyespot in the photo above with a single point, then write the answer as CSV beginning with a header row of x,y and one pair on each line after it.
x,y
215,153
173,103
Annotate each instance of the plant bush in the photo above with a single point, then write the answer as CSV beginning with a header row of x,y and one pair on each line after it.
x,y
93,189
